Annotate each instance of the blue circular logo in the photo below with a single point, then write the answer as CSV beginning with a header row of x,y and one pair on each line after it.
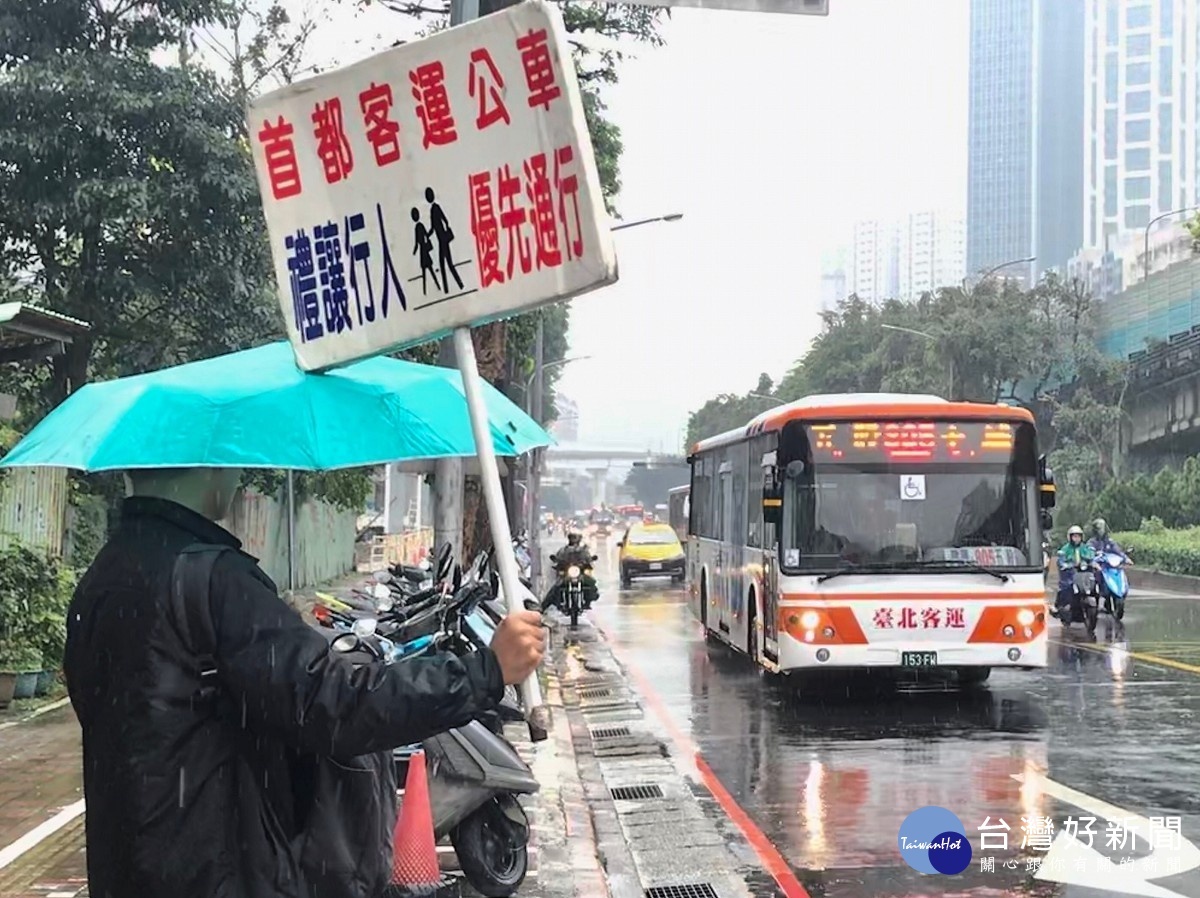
x,y
932,840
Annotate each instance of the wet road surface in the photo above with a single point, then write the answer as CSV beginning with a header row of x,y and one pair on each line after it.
x,y
1108,731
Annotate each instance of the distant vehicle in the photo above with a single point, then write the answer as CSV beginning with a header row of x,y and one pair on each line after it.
x,y
821,531
651,550
677,511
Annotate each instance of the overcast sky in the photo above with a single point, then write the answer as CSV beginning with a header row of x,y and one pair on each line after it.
x,y
771,134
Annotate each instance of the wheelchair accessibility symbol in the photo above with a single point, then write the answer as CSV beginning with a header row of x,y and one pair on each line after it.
x,y
912,487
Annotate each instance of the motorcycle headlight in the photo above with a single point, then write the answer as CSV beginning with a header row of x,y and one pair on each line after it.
x,y
573,572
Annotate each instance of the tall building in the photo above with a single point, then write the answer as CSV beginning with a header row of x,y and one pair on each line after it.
x,y
875,269
1026,134
1142,76
931,251
834,282
896,259
565,426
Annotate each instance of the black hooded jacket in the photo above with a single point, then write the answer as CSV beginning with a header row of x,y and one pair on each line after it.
x,y
184,801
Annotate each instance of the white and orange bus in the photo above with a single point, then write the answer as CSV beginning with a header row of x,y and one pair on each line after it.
x,y
873,531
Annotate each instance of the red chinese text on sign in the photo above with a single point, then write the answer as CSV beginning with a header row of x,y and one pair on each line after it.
x,y
383,132
908,619
333,149
283,171
539,69
567,185
485,83
433,105
541,201
929,618
956,618
486,229
513,218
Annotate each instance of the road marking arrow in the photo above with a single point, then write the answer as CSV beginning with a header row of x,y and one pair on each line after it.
x,y
1068,854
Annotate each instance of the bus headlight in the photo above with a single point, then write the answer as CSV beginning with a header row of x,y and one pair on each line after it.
x,y
809,620
1008,630
1024,617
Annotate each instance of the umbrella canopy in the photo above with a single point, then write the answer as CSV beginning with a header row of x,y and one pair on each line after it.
x,y
256,409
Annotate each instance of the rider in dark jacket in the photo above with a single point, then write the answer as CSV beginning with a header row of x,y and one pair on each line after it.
x,y
1102,542
205,791
574,552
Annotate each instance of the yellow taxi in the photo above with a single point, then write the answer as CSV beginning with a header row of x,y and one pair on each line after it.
x,y
651,550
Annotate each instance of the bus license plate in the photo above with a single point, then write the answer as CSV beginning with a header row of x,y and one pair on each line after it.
x,y
656,566
918,659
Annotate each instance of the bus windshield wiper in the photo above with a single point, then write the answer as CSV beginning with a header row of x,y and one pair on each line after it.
x,y
913,563
853,568
958,563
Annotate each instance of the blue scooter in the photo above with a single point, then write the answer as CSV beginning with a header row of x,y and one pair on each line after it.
x,y
1113,583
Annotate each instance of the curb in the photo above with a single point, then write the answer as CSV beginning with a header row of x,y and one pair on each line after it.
x,y
37,712
663,831
1151,579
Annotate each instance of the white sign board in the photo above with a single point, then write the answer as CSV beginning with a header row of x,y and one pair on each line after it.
x,y
442,183
912,487
796,7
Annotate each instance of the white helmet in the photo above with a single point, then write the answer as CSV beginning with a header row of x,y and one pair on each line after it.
x,y
1075,531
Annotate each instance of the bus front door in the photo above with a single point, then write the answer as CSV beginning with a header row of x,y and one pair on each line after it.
x,y
725,555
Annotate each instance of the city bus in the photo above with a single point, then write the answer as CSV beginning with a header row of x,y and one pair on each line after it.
x,y
677,511
883,531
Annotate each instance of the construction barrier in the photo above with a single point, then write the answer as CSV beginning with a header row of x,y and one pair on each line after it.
x,y
394,548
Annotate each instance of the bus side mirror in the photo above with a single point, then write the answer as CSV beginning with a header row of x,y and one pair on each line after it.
x,y
1047,492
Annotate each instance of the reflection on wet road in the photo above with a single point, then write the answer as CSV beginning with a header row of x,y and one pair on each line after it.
x,y
828,773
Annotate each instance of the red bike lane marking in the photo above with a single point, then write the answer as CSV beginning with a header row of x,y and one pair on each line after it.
x,y
768,855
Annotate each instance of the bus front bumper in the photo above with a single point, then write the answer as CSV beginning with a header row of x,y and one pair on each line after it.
x,y
917,655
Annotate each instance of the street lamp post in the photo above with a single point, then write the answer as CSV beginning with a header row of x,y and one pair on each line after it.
x,y
670,216
533,406
775,399
1146,243
931,338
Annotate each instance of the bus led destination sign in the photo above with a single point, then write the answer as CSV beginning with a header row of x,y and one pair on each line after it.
x,y
914,441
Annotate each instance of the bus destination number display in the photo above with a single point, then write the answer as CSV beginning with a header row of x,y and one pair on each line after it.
x,y
930,441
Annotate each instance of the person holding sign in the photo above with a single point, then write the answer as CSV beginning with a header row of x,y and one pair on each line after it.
x,y
227,750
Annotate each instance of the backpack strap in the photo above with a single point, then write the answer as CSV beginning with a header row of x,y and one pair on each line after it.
x,y
191,579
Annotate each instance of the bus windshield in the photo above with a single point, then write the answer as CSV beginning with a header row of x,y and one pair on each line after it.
x,y
859,507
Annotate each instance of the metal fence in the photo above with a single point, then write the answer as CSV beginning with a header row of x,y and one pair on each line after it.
x,y
33,508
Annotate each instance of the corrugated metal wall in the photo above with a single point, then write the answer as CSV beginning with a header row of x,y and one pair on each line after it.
x,y
324,538
33,508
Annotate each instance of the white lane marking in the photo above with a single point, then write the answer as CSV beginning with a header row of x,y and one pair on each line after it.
x,y
1078,864
39,833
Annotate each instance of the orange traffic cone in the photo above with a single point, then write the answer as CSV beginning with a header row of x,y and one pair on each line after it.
x,y
415,870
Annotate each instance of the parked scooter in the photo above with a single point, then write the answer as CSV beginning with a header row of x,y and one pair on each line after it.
x,y
1113,583
475,776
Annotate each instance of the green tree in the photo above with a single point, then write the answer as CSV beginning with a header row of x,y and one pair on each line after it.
x,y
126,191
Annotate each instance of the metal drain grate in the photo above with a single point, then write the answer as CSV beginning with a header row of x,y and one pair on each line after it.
x,y
687,890
636,793
594,693
610,732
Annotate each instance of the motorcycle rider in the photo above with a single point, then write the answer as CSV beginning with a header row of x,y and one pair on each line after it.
x,y
574,552
1102,543
1075,553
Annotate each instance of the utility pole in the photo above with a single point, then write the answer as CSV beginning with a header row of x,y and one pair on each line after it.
x,y
534,460
449,481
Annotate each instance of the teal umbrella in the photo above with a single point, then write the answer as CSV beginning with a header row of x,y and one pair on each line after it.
x,y
256,409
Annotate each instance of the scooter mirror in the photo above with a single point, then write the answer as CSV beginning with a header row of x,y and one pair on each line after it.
x,y
381,592
347,642
364,627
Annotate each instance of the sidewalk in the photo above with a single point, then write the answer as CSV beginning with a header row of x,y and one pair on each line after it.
x,y
616,815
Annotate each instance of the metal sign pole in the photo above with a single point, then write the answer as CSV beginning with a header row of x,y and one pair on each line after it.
x,y
537,713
